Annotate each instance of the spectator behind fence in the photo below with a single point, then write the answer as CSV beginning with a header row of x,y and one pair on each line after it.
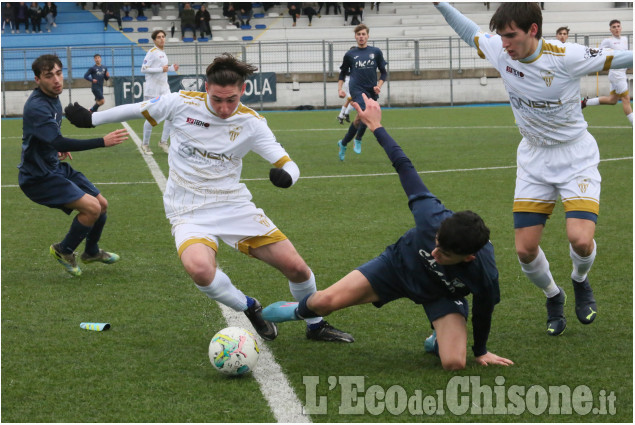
x,y
245,10
140,7
309,10
188,20
229,11
50,13
22,16
156,8
8,16
355,10
202,20
35,14
294,11
336,8
111,11
126,7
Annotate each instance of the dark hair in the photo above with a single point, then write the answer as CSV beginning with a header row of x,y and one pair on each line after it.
x,y
360,27
463,233
157,32
96,54
522,14
226,70
45,63
562,29
615,21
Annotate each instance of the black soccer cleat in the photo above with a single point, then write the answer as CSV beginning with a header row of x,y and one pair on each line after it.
x,y
327,332
585,307
556,323
347,117
267,330
583,103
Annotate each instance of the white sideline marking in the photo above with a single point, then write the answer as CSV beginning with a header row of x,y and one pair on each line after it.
x,y
282,400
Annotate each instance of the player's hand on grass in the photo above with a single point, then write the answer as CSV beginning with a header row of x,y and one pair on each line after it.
x,y
79,116
116,137
371,116
280,178
491,358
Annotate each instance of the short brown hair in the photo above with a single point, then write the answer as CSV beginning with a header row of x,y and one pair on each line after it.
x,y
360,27
562,29
45,63
157,32
522,14
614,21
226,70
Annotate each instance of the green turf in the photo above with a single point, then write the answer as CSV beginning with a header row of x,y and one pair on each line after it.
x,y
152,366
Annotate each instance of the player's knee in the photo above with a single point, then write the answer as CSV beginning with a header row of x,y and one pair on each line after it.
x,y
582,246
453,363
200,270
526,254
296,270
103,205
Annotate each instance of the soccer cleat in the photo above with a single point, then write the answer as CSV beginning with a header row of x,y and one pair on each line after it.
x,y
340,119
327,332
342,152
164,146
556,323
357,148
69,261
146,149
267,330
282,311
347,118
102,256
428,345
583,102
585,307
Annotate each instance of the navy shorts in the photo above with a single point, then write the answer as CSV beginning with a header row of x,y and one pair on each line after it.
x,y
60,188
444,306
357,97
98,92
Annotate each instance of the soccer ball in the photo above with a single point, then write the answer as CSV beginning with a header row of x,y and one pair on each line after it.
x,y
234,351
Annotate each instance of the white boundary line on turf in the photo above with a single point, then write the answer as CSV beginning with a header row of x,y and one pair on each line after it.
x,y
274,385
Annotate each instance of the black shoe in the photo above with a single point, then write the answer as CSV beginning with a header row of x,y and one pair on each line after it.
x,y
327,332
267,330
585,307
347,118
556,323
583,102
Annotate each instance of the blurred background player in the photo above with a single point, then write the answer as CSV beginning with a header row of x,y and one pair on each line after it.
x,y
46,180
155,67
361,63
562,34
96,74
344,114
557,156
617,77
213,132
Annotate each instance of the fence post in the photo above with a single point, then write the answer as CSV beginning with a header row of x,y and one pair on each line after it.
x,y
451,73
388,71
417,59
324,70
262,106
330,58
288,74
69,64
4,92
132,72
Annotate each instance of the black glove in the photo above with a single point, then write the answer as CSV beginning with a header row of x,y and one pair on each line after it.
x,y
280,178
79,116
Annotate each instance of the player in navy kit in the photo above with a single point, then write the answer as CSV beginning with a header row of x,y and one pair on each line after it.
x,y
47,181
362,64
445,257
96,74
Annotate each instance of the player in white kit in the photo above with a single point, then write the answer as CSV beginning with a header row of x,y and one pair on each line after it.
x,y
557,155
204,199
155,67
617,77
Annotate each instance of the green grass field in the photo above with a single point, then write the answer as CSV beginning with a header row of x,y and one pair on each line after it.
x,y
152,366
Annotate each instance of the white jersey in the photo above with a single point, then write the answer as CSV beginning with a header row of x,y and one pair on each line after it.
x,y
615,44
206,152
156,82
544,90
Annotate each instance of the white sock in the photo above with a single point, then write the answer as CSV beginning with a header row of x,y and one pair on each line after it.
x,y
630,117
538,273
167,128
222,290
349,108
343,111
301,290
593,102
147,132
581,265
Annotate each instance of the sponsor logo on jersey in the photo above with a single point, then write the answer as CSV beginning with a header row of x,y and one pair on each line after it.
x,y
197,122
201,156
519,103
456,287
234,131
583,184
365,64
514,72
547,76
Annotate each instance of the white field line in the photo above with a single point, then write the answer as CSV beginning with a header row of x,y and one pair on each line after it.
x,y
275,387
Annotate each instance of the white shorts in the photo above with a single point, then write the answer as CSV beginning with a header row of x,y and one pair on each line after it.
x,y
569,170
619,83
240,225
346,89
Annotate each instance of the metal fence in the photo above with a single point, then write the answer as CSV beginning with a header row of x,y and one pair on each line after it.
x,y
289,58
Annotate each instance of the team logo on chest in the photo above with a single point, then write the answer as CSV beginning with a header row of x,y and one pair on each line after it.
x,y
547,76
234,131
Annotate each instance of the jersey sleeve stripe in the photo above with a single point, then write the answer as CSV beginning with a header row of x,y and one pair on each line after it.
x,y
607,64
279,163
478,49
151,120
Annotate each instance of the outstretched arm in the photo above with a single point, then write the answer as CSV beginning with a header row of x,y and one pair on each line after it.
x,y
83,118
464,27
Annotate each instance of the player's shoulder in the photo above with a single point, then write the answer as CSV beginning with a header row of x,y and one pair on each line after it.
x,y
37,105
249,114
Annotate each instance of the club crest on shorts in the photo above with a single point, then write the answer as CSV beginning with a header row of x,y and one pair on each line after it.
x,y
234,131
583,184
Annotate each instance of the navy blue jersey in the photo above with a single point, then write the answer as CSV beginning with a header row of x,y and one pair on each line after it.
x,y
362,64
96,73
41,125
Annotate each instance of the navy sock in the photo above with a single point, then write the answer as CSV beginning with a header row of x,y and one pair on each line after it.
x,y
94,235
76,234
349,134
361,131
304,312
